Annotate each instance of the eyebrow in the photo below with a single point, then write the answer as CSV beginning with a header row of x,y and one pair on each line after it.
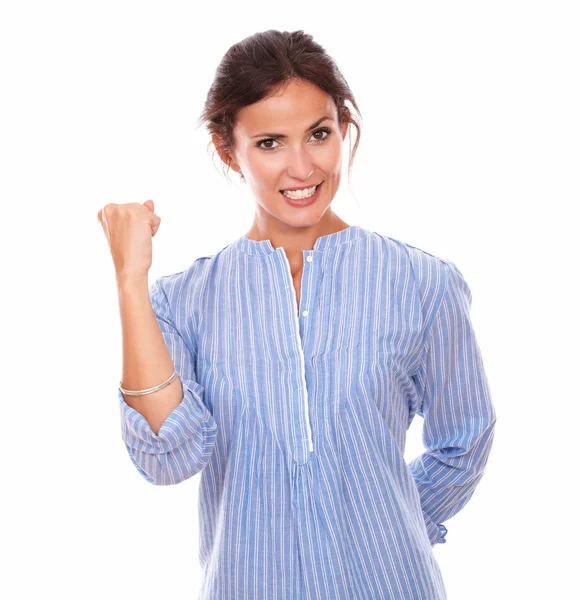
x,y
281,136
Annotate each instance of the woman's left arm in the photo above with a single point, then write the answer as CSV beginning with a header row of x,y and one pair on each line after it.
x,y
455,402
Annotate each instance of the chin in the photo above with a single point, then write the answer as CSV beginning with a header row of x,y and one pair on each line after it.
x,y
306,219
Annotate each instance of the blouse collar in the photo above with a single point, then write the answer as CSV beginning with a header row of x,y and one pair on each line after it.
x,y
322,243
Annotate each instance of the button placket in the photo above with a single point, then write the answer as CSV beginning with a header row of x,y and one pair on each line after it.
x,y
303,448
308,259
306,282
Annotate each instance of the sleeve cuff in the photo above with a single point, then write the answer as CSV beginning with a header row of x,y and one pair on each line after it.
x,y
190,420
436,531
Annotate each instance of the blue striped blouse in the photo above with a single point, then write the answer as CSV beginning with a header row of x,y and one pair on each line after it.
x,y
297,419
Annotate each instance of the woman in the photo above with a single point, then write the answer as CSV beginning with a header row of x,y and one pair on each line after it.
x,y
287,367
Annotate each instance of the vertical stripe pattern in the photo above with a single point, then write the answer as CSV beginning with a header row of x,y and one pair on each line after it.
x,y
296,416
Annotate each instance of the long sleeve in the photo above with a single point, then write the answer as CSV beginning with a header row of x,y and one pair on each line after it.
x,y
187,437
455,402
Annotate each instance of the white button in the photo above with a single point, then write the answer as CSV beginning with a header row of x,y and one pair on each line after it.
x,y
310,258
305,313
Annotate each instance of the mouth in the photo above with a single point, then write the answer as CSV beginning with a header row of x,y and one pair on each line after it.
x,y
301,189
297,202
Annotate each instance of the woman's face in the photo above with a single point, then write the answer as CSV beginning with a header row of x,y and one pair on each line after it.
x,y
308,152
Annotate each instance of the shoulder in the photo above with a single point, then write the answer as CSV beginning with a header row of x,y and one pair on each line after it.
x,y
434,275
178,296
428,268
187,280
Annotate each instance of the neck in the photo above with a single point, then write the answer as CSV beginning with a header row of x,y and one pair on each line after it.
x,y
294,239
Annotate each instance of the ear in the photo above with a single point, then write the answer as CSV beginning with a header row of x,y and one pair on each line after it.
x,y
226,157
345,126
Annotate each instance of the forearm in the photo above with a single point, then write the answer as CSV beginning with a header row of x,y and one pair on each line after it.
x,y
146,358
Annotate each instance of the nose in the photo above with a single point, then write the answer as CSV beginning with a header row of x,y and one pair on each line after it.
x,y
300,166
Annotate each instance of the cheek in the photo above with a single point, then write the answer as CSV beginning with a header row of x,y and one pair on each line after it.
x,y
333,159
264,173
266,167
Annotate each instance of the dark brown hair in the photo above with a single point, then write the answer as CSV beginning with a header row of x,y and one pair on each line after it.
x,y
260,65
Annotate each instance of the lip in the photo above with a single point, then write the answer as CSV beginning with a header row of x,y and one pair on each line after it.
x,y
304,201
298,189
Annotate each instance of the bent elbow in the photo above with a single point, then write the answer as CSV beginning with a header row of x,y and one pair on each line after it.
x,y
178,465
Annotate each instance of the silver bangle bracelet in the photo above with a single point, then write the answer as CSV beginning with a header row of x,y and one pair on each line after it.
x,y
150,390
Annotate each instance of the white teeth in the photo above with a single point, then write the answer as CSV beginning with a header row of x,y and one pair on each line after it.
x,y
297,194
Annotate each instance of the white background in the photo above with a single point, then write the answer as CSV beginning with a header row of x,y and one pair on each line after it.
x,y
470,149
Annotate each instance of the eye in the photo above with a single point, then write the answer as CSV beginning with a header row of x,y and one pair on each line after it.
x,y
317,141
322,130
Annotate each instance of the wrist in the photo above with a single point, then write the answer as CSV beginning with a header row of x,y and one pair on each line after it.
x,y
132,280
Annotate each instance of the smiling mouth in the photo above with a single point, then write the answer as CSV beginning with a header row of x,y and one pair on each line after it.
x,y
302,189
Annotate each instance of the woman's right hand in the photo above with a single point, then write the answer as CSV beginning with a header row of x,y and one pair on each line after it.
x,y
129,229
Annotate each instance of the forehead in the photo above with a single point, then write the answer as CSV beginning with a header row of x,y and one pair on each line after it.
x,y
298,104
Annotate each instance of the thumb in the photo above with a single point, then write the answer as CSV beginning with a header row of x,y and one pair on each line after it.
x,y
149,204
